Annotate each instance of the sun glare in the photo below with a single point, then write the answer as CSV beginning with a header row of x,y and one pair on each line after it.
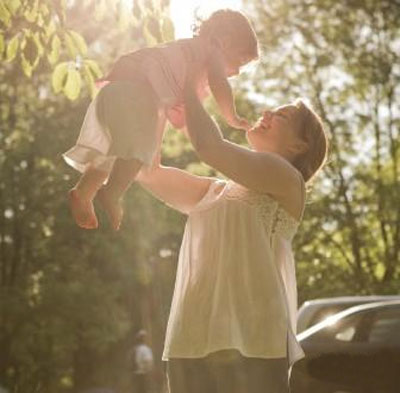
x,y
182,12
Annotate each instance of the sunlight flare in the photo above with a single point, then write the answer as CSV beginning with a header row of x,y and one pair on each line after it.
x,y
182,12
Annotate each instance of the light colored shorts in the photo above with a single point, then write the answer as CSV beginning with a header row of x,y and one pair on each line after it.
x,y
125,121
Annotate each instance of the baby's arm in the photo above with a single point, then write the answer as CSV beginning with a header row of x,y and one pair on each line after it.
x,y
222,91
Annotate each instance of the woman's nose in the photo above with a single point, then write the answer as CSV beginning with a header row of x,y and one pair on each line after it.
x,y
267,114
266,118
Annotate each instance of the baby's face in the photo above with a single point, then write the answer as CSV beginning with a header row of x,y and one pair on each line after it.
x,y
235,58
236,61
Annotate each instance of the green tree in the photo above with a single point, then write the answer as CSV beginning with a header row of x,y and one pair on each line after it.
x,y
49,34
71,301
342,56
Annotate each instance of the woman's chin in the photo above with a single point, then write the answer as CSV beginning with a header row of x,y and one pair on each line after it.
x,y
251,136
250,141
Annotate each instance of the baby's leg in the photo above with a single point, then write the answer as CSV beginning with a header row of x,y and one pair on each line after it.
x,y
110,196
81,197
135,119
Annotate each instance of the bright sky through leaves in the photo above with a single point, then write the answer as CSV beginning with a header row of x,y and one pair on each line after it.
x,y
182,12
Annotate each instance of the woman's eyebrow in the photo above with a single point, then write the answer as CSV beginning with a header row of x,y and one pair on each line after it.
x,y
281,112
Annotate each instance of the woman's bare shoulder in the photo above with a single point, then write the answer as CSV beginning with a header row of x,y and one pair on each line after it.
x,y
294,200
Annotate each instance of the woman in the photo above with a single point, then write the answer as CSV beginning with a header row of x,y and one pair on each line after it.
x,y
232,322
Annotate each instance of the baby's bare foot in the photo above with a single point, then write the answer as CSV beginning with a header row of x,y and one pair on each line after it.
x,y
112,206
82,210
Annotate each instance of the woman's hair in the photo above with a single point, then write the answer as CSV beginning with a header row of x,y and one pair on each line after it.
x,y
230,24
312,132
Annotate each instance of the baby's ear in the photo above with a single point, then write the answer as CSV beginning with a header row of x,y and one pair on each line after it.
x,y
215,42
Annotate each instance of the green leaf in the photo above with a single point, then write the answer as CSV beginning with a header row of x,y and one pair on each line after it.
x,y
44,10
154,27
58,77
38,42
55,50
59,7
137,10
150,39
168,30
40,21
32,14
72,86
151,31
5,15
150,5
26,66
71,48
123,14
13,5
89,80
30,50
94,68
79,42
50,28
12,48
2,45
100,10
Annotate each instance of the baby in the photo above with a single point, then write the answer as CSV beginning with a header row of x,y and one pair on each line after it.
x,y
124,124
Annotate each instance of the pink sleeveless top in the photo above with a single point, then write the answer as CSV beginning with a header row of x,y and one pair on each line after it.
x,y
164,66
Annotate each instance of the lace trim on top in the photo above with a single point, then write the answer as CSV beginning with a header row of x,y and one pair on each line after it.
x,y
275,218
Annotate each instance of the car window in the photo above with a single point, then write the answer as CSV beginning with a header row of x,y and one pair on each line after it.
x,y
385,327
345,330
326,312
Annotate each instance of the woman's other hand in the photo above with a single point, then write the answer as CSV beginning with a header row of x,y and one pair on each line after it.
x,y
176,116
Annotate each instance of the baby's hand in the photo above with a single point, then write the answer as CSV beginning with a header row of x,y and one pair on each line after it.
x,y
239,123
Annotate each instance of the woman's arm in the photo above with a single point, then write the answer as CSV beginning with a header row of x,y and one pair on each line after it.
x,y
177,188
264,172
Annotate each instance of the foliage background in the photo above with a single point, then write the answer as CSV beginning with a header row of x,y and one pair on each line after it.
x,y
71,301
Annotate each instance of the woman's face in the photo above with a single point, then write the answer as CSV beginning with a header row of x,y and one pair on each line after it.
x,y
277,131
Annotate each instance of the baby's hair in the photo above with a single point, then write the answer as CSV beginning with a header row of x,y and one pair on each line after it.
x,y
228,23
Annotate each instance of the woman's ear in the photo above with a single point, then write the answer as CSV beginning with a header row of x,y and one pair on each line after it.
x,y
299,147
303,146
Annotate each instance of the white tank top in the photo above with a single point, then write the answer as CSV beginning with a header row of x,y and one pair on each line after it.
x,y
235,286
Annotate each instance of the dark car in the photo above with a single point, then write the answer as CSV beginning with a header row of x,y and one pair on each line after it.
x,y
354,351
316,310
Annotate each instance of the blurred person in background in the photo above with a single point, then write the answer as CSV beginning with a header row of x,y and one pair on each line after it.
x,y
143,363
